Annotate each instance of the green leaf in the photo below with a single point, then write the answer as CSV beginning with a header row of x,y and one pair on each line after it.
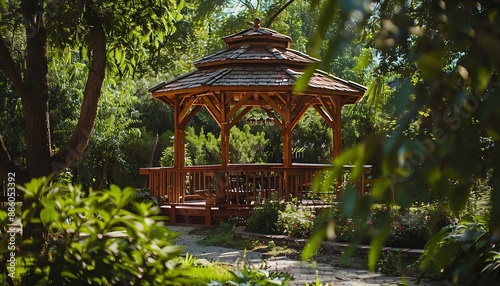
x,y
494,224
349,200
313,243
376,246
302,82
48,215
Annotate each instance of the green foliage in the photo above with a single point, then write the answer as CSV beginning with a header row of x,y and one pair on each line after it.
x,y
445,105
410,228
167,160
247,147
134,30
205,272
314,136
113,130
141,195
390,263
295,220
264,217
224,236
464,253
204,149
94,240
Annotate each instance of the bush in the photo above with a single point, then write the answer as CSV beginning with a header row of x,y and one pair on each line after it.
x,y
264,218
141,195
296,221
94,240
411,228
465,253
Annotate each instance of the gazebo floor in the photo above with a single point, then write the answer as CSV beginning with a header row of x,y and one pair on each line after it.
x,y
199,213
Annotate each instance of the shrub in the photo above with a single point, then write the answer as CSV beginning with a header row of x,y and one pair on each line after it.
x,y
411,228
94,240
296,221
466,253
141,195
264,218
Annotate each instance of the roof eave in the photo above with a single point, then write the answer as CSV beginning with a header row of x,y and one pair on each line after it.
x,y
275,88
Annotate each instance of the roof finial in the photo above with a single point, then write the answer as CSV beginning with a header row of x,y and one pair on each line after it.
x,y
256,23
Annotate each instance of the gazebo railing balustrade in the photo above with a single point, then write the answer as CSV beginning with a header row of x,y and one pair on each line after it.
x,y
238,184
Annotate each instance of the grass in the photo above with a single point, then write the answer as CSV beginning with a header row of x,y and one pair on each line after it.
x,y
212,272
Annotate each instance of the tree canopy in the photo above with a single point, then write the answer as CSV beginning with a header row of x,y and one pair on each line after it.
x,y
442,60
110,36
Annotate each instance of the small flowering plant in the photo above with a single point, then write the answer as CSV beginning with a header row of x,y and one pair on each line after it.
x,y
297,221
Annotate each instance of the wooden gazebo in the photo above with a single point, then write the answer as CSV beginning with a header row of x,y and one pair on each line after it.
x,y
256,70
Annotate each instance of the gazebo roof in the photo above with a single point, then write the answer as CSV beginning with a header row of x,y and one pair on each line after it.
x,y
256,60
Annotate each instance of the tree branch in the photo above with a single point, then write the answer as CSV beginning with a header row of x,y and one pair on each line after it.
x,y
78,142
8,67
281,9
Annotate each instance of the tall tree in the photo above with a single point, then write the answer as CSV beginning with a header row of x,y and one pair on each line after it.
x,y
107,34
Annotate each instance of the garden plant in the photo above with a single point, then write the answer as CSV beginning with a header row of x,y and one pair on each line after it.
x,y
106,238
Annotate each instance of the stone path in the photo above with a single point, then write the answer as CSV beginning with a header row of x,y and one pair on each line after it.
x,y
303,272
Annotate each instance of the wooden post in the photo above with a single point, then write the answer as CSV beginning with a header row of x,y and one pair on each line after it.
x,y
179,153
287,145
287,132
224,130
337,132
208,215
337,139
173,219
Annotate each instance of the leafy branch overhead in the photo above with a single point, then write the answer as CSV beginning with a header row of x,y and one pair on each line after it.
x,y
442,59
109,36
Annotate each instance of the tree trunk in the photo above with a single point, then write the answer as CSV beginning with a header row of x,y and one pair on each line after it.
x,y
36,112
34,94
79,140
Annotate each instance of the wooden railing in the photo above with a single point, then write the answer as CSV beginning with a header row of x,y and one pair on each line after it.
x,y
240,184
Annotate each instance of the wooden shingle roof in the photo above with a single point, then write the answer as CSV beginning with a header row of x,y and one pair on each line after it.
x,y
256,59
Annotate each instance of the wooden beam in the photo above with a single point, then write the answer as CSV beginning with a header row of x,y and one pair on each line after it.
x,y
299,109
225,131
300,103
328,109
325,116
238,105
296,118
239,116
287,132
185,108
337,133
179,137
214,111
274,105
216,98
190,116
281,98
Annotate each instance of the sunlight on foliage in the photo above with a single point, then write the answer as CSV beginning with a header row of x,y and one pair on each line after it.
x,y
94,240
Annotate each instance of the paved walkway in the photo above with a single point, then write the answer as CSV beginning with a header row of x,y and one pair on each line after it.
x,y
303,272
